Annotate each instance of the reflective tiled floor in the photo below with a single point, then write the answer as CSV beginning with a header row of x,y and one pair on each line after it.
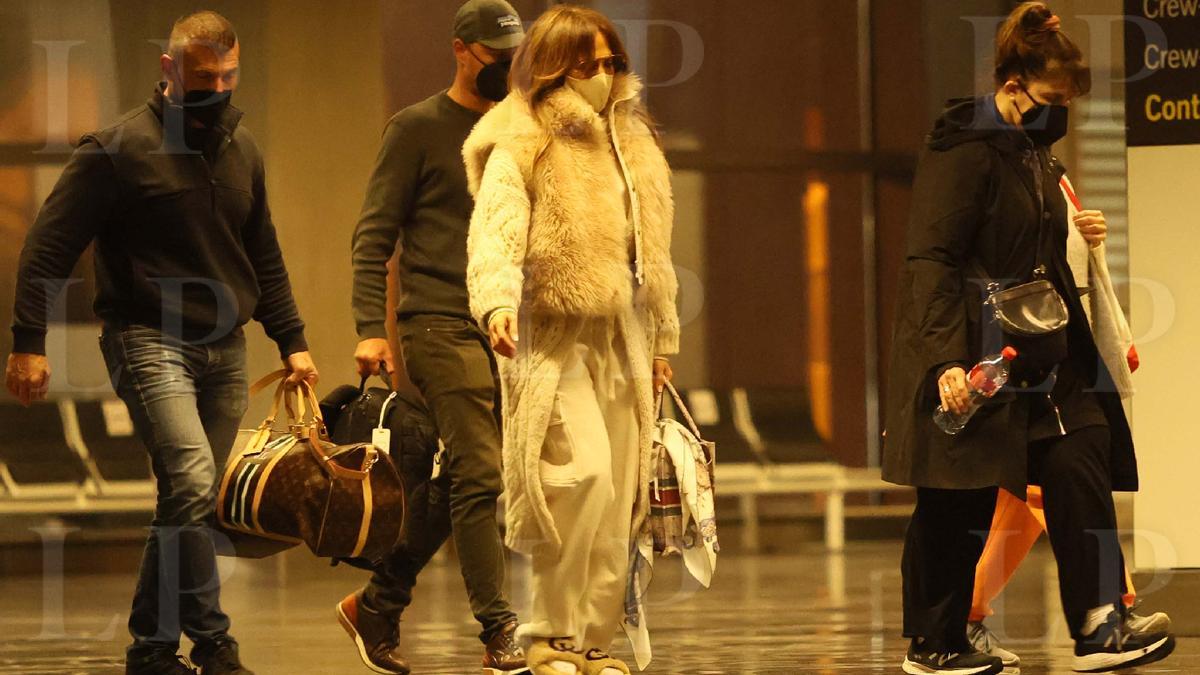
x,y
797,611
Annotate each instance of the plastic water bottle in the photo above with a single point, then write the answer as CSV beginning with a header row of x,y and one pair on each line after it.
x,y
984,380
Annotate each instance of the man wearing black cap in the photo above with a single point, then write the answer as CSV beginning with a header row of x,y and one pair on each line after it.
x,y
418,195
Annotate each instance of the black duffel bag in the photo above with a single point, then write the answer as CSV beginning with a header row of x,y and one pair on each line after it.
x,y
353,414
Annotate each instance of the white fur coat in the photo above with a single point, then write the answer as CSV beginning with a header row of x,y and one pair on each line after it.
x,y
550,236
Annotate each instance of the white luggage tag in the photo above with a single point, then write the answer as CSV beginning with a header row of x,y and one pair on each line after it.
x,y
438,460
381,436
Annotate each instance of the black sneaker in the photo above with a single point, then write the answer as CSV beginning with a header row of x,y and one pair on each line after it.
x,y
219,658
161,662
921,660
1115,646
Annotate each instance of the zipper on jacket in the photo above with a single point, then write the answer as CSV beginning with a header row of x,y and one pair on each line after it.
x,y
634,203
211,172
1062,430
1053,380
210,176
212,186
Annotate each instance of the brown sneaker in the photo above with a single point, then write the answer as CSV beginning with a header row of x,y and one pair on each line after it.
x,y
502,656
375,635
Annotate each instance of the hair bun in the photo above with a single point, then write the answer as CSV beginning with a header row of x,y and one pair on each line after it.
x,y
1036,17
1031,45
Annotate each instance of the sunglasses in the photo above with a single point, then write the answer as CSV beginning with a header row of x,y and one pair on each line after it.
x,y
617,63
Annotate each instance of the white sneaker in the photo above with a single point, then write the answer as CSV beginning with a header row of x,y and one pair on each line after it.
x,y
986,641
1157,622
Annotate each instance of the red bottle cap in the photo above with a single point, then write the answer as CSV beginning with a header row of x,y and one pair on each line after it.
x,y
1009,353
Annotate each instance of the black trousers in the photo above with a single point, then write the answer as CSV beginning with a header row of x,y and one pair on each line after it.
x,y
949,528
427,526
449,361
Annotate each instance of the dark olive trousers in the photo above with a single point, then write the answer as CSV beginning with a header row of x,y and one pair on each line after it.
x,y
450,362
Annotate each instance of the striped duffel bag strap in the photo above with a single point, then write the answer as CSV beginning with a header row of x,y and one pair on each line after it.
x,y
342,501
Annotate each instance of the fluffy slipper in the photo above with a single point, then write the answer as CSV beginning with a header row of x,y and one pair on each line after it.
x,y
554,656
598,661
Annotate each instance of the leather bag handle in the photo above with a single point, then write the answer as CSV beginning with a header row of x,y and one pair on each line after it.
x,y
384,376
316,445
317,434
687,415
318,437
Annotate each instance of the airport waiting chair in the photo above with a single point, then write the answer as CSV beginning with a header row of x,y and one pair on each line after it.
x,y
713,410
36,460
782,418
767,444
116,458
46,467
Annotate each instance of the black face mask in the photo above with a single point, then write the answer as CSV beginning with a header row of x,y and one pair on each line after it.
x,y
1044,123
206,105
492,81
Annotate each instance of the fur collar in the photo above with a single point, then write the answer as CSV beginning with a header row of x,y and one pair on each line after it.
x,y
564,114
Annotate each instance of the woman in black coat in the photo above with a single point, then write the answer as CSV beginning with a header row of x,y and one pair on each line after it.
x,y
987,207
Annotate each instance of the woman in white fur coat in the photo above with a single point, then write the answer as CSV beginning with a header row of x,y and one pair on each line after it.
x,y
569,268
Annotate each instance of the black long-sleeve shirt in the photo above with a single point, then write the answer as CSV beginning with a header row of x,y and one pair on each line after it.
x,y
418,197
184,238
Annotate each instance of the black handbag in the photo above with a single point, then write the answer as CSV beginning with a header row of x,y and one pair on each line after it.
x,y
1030,317
353,413
1028,310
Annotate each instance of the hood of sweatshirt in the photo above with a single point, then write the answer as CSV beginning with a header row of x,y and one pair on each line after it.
x,y
975,119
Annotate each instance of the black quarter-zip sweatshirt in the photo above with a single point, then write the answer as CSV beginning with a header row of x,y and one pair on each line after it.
x,y
184,238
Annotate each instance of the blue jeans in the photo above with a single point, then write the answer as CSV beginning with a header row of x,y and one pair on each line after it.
x,y
186,402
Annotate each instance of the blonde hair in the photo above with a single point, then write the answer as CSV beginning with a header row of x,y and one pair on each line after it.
x,y
560,39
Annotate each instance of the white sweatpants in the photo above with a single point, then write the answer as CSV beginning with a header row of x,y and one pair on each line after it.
x,y
589,471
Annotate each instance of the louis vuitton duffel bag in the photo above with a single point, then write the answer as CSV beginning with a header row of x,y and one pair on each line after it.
x,y
288,487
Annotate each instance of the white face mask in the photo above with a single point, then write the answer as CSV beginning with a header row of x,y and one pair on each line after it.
x,y
595,90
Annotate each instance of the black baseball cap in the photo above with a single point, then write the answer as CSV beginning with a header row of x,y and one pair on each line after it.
x,y
491,23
